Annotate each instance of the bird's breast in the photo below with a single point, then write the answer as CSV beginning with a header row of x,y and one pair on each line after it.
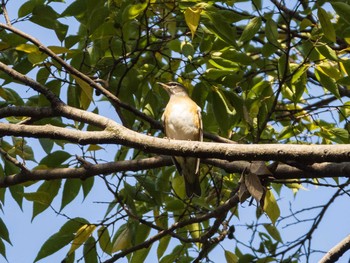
x,y
182,121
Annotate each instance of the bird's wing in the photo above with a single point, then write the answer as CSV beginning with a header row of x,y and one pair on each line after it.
x,y
200,124
200,136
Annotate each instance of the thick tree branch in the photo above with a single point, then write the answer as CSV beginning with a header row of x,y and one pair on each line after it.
x,y
117,134
85,171
337,251
27,111
282,172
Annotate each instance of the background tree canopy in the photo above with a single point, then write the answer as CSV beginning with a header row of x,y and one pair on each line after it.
x,y
271,78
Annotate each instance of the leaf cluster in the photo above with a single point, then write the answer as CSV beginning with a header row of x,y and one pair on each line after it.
x,y
262,72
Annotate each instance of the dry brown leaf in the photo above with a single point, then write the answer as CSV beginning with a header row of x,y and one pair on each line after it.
x,y
259,168
254,186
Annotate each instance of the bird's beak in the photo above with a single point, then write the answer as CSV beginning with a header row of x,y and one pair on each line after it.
x,y
164,86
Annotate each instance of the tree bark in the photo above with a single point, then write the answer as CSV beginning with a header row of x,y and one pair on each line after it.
x,y
337,251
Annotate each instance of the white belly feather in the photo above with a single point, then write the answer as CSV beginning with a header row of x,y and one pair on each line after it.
x,y
181,123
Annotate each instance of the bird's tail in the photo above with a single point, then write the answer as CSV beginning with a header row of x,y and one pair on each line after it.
x,y
193,188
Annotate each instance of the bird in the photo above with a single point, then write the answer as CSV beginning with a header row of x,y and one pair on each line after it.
x,y
183,121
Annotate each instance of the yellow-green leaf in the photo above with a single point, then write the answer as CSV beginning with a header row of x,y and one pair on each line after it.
x,y
271,207
251,29
195,230
123,240
192,16
58,49
326,24
94,147
27,48
133,11
230,257
104,240
178,185
273,231
271,32
86,95
81,236
327,82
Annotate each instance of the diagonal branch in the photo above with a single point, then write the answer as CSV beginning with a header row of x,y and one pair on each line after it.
x,y
218,212
337,251
84,172
116,102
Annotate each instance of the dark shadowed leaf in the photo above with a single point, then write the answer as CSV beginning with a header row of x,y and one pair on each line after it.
x,y
326,24
55,159
254,186
70,191
61,239
251,29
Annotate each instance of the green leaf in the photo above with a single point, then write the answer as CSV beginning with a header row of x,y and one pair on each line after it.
x,y
187,49
17,194
327,82
2,249
44,196
70,191
55,159
76,8
343,10
59,50
140,255
327,52
104,240
192,17
46,144
340,135
251,29
163,245
231,257
133,11
89,251
4,233
326,24
39,197
27,48
271,207
221,27
283,66
61,239
178,185
273,232
305,23
85,96
222,107
271,32
123,239
28,7
87,185
49,20
214,73
299,72
142,233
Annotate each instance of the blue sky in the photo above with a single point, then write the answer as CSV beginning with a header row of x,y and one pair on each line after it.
x,y
27,236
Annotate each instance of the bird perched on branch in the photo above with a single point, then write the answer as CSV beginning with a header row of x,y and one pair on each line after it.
x,y
182,121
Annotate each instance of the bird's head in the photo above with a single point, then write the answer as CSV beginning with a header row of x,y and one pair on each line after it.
x,y
174,88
